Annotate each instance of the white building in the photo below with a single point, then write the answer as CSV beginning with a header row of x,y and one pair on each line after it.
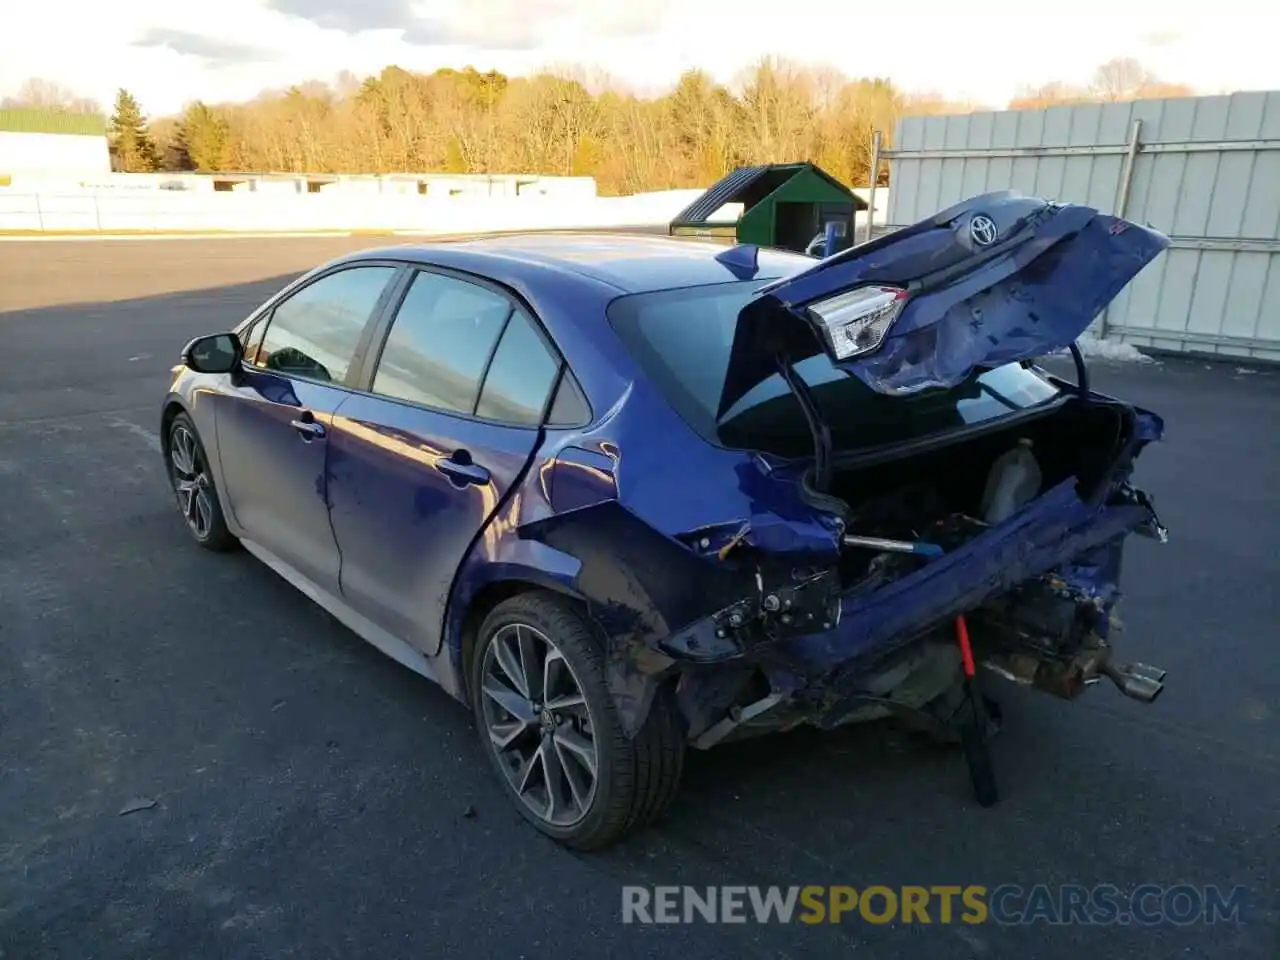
x,y
37,143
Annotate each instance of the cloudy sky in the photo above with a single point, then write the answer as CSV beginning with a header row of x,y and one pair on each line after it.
x,y
169,52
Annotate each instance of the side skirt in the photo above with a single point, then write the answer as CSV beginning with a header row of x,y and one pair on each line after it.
x,y
436,669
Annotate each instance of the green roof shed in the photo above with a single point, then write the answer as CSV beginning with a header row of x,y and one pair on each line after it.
x,y
784,205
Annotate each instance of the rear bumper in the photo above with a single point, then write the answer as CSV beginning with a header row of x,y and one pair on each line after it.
x,y
1056,532
893,649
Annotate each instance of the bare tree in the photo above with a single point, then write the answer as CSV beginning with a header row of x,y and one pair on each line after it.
x,y
1120,79
42,94
778,108
1049,95
1159,90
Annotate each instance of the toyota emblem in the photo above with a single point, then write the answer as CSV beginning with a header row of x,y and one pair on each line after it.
x,y
983,230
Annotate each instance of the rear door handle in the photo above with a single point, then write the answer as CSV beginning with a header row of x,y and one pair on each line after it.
x,y
461,470
309,429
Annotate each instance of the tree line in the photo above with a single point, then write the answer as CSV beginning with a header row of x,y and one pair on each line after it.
x,y
561,122
1115,81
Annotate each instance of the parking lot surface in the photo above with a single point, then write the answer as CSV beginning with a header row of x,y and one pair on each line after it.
x,y
303,796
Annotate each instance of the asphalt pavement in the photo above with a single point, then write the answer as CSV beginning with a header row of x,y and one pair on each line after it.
x,y
300,795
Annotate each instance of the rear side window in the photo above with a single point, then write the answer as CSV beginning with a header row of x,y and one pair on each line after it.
x,y
440,342
569,408
521,376
314,333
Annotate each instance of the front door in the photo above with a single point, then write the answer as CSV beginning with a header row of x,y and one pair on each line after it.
x,y
420,463
273,425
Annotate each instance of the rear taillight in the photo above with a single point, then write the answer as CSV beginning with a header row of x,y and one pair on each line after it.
x,y
856,322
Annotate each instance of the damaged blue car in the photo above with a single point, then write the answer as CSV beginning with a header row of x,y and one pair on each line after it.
x,y
624,496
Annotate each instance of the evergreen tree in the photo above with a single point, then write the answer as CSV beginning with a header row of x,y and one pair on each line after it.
x,y
132,148
203,140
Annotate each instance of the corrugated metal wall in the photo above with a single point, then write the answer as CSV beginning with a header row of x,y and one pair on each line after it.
x,y
1207,173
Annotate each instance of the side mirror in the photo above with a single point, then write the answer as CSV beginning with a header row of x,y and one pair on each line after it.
x,y
218,353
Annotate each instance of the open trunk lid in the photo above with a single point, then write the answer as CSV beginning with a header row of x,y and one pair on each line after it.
x,y
996,279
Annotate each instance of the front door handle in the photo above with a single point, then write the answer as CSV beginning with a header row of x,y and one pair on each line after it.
x,y
461,470
309,429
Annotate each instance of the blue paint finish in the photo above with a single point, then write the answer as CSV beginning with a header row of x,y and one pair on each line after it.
x,y
273,476
743,260
1150,426
505,556
1035,290
579,478
635,514
403,523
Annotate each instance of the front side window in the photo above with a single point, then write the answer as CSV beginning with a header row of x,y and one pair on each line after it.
x,y
315,332
440,343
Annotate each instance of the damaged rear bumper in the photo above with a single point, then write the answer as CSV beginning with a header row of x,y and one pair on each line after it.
x,y
1039,594
808,652
1057,528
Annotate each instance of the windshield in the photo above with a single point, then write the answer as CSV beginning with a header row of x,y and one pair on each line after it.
x,y
682,338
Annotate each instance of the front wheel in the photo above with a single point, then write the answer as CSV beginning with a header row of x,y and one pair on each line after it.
x,y
192,481
551,730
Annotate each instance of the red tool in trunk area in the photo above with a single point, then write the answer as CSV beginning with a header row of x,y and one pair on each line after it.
x,y
966,649
973,731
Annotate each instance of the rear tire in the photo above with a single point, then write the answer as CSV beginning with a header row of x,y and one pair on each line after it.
x,y
551,730
191,478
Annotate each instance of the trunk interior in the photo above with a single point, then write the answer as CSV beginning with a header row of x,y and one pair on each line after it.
x,y
935,491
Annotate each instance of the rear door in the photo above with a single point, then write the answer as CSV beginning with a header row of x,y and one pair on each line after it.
x,y
273,425
455,400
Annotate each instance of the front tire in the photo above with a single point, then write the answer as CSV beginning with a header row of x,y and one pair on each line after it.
x,y
191,477
551,730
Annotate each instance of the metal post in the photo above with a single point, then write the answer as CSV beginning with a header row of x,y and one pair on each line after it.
x,y
875,175
1122,198
1126,173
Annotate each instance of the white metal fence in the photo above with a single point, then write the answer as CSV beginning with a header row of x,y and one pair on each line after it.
x,y
161,211
1204,170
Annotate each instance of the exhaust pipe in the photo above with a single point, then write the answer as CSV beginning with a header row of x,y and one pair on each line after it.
x,y
1139,681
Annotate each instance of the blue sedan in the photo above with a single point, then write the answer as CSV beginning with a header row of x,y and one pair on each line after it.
x,y
627,495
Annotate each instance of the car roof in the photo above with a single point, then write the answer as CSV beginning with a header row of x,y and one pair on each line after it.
x,y
629,263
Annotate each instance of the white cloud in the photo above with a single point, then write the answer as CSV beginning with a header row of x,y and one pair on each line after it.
x,y
983,49
215,52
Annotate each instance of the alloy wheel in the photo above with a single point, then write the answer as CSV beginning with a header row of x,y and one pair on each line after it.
x,y
191,481
539,724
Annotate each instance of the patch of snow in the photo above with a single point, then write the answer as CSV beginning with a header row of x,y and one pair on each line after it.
x,y
1104,349
1100,348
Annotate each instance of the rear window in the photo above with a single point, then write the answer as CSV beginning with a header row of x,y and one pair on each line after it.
x,y
681,339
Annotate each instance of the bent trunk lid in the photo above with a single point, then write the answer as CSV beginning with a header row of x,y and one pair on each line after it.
x,y
996,279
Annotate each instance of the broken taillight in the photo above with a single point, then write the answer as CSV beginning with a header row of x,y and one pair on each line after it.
x,y
856,322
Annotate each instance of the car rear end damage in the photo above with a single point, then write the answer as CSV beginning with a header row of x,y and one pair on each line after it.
x,y
776,620
874,580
